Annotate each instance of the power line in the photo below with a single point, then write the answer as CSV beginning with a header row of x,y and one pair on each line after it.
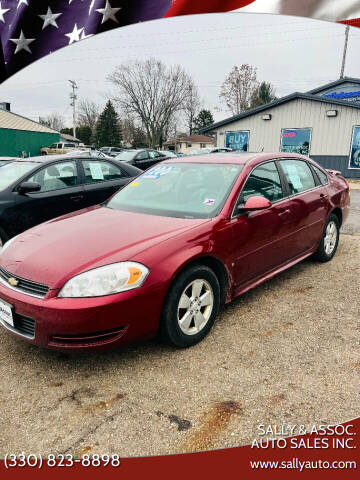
x,y
176,52
205,40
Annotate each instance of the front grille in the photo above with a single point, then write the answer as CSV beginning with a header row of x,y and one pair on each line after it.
x,y
25,286
24,325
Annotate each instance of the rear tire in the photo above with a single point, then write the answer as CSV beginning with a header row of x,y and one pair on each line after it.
x,y
3,238
191,307
329,240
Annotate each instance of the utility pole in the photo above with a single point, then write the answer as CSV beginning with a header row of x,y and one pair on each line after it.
x,y
73,98
347,31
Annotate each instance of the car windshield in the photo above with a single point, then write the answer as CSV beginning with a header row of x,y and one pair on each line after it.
x,y
126,156
11,171
187,190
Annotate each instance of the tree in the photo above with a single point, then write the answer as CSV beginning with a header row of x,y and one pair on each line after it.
x,y
204,119
263,95
152,93
108,128
238,88
88,114
192,106
133,134
83,133
54,120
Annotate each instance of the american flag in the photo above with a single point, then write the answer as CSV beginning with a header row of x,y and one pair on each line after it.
x,y
31,29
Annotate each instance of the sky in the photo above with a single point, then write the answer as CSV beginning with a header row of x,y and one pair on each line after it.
x,y
293,53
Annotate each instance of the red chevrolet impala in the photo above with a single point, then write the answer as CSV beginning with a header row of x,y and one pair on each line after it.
x,y
168,250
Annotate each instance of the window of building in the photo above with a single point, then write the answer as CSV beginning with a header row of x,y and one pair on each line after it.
x,y
354,161
238,141
296,140
189,145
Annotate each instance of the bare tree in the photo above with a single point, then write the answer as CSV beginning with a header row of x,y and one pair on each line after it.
x,y
152,93
192,106
54,120
238,88
88,113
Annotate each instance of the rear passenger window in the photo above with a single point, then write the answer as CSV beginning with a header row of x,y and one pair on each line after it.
x,y
322,175
264,181
101,172
298,175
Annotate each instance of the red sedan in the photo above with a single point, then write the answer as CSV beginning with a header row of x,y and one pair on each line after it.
x,y
165,252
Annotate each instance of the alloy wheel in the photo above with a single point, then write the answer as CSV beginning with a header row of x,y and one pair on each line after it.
x,y
330,238
195,307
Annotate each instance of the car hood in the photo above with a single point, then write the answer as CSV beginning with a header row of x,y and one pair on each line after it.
x,y
55,251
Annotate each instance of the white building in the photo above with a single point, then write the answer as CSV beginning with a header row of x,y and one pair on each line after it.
x,y
323,123
186,143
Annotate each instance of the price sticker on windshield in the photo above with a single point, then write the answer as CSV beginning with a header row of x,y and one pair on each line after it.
x,y
158,172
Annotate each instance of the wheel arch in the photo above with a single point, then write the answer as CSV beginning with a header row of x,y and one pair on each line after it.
x,y
216,265
337,211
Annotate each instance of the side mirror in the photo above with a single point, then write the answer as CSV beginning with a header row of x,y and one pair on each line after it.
x,y
29,187
256,203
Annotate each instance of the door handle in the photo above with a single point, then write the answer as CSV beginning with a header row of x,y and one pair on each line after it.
x,y
76,198
284,212
323,197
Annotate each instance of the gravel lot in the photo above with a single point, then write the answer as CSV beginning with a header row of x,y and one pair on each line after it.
x,y
286,352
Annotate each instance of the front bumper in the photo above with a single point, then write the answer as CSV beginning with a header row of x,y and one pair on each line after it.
x,y
87,323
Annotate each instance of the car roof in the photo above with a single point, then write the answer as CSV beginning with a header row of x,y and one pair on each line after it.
x,y
53,158
234,157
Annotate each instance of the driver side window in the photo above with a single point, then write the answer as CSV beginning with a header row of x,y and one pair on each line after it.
x,y
265,182
56,177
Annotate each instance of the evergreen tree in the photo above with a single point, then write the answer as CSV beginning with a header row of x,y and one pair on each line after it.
x,y
204,119
263,95
108,133
84,134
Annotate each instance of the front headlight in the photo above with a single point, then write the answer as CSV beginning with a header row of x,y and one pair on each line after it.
x,y
102,281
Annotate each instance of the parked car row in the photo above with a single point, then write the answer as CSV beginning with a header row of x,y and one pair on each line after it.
x,y
37,189
162,254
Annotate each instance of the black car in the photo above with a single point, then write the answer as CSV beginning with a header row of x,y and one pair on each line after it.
x,y
34,190
141,158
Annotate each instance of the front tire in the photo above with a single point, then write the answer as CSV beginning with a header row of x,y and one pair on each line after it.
x,y
191,307
329,240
